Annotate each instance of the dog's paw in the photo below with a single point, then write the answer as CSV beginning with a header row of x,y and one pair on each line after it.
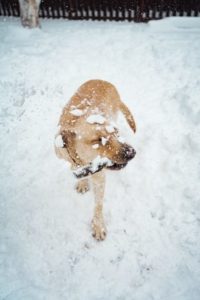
x,y
82,186
99,231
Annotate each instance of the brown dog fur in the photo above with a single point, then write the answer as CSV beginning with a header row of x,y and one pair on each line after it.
x,y
84,140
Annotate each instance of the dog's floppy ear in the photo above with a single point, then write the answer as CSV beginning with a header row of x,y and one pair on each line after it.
x,y
126,112
69,141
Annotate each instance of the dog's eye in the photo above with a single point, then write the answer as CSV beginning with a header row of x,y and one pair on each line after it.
x,y
97,140
102,141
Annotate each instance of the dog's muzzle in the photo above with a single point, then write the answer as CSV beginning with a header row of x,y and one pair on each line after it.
x,y
128,152
99,163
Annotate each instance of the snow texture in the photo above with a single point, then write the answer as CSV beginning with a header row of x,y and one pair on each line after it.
x,y
77,112
104,140
59,141
151,207
121,139
96,119
110,129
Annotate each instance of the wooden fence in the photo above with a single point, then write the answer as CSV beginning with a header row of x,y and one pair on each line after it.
x,y
117,10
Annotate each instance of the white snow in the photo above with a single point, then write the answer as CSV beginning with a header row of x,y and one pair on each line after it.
x,y
96,119
110,128
77,112
98,161
59,141
151,207
104,140
95,146
121,139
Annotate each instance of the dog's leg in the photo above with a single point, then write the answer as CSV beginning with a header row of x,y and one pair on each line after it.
x,y
82,186
98,226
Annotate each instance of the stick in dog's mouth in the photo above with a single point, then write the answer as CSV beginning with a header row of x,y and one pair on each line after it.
x,y
97,165
93,167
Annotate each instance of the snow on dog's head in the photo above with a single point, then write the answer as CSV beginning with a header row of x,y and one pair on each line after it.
x,y
96,119
96,137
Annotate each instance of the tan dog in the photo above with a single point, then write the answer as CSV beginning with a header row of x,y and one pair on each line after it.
x,y
89,140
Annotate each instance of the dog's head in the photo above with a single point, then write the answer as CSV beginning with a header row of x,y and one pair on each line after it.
x,y
97,138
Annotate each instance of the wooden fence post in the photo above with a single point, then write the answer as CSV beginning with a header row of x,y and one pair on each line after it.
x,y
29,12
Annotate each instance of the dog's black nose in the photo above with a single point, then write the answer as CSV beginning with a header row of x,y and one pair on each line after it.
x,y
129,152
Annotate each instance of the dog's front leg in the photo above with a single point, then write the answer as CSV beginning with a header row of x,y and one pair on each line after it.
x,y
98,225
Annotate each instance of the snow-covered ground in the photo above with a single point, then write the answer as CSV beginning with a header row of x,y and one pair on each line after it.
x,y
152,207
